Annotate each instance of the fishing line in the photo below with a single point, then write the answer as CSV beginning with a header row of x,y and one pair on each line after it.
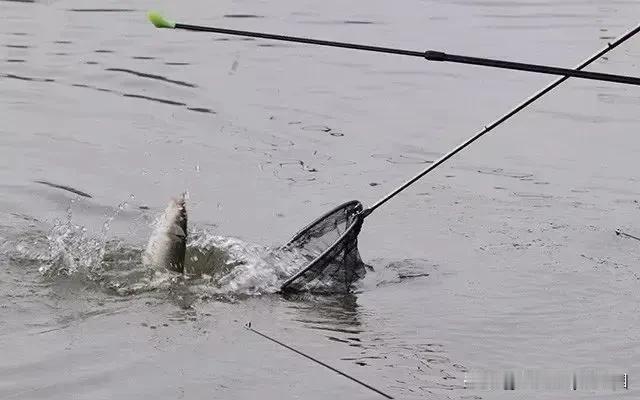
x,y
380,392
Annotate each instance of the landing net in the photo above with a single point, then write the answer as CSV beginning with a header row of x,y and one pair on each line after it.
x,y
328,250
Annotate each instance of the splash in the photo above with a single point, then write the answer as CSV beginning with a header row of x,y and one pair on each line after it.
x,y
71,249
241,267
215,266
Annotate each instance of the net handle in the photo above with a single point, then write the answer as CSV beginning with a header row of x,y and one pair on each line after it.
x,y
610,46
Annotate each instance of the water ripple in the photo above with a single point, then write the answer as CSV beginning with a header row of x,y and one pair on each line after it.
x,y
151,76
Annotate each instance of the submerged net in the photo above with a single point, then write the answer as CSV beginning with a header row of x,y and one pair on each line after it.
x,y
328,250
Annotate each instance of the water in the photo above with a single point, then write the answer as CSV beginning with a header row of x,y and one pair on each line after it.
x,y
504,259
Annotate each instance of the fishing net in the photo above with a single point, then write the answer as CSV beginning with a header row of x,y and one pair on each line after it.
x,y
327,251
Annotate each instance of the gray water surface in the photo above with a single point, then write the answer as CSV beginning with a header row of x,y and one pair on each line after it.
x,y
503,259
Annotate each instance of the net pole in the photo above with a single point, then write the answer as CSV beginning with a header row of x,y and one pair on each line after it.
x,y
610,46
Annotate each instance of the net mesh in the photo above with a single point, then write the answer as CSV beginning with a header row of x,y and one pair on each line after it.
x,y
328,252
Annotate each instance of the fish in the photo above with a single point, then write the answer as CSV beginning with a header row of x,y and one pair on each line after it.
x,y
167,244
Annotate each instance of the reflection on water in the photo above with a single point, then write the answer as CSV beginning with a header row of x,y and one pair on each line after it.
x,y
152,76
336,313
102,10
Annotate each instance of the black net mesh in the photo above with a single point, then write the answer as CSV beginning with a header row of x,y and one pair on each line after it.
x,y
328,252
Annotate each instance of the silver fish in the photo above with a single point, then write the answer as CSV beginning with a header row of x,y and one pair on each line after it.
x,y
167,245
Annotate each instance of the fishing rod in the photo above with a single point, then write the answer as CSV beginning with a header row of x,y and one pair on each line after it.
x,y
431,55
620,233
248,327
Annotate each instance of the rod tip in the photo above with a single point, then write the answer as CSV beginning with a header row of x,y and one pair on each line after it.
x,y
159,21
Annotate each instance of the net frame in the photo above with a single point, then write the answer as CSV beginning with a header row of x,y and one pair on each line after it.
x,y
347,241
